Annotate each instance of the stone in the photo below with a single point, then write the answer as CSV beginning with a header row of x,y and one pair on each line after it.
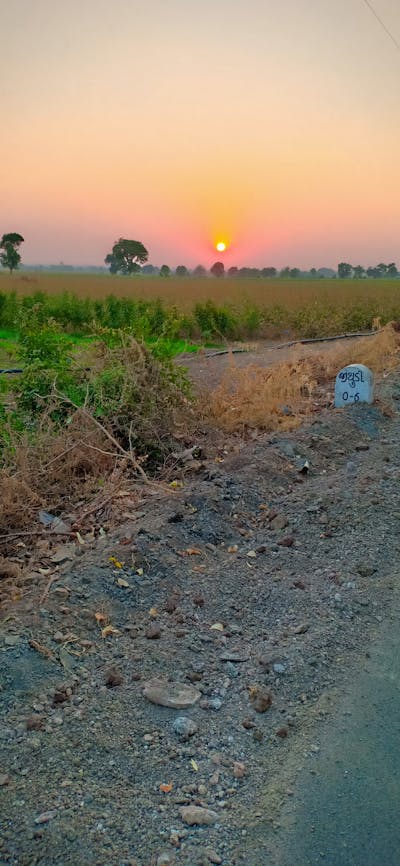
x,y
153,632
4,779
213,857
354,384
239,769
260,698
177,696
184,727
198,816
279,522
165,859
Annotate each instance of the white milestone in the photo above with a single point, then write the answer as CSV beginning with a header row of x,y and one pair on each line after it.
x,y
354,384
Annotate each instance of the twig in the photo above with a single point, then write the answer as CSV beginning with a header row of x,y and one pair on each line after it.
x,y
47,588
106,433
18,534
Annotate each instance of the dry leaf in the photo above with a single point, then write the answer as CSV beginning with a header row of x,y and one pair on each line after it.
x,y
153,611
100,617
233,549
122,582
108,630
217,626
79,538
139,571
193,551
166,789
194,764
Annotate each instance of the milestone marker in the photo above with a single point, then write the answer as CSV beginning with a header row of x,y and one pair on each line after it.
x,y
354,384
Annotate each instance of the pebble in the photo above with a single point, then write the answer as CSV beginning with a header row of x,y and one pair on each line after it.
x,y
165,859
279,522
153,632
174,695
198,816
184,727
213,857
45,817
4,779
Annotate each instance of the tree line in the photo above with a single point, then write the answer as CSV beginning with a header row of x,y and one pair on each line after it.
x,y
129,257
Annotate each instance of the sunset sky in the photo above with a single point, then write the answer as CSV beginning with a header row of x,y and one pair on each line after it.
x,y
273,125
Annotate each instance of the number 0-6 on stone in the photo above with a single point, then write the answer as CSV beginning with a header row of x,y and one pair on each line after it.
x,y
354,384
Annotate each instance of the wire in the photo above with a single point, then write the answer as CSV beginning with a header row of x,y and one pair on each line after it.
x,y
382,23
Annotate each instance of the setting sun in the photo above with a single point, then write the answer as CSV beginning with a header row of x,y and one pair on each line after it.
x,y
221,246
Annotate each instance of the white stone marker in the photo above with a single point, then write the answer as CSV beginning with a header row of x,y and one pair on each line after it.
x,y
354,384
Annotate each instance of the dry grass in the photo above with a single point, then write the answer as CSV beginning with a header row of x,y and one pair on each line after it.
x,y
187,291
280,396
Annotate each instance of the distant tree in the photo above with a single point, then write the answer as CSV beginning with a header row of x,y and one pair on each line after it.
x,y
373,272
285,273
344,271
313,273
126,257
358,272
294,273
269,272
165,271
199,271
181,271
247,273
149,270
392,270
9,255
218,269
233,271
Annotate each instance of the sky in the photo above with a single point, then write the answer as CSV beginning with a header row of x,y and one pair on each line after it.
x,y
271,125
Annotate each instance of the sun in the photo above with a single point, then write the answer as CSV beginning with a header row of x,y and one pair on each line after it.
x,y
220,246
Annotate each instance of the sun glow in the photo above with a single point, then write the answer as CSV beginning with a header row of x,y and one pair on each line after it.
x,y
220,246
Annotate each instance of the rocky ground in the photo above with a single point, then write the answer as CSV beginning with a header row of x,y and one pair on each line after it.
x,y
160,685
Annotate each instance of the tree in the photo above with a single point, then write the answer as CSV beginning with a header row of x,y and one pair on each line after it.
x,y
199,271
313,273
149,270
181,271
218,269
358,272
344,270
233,271
126,257
295,273
9,244
392,270
285,273
165,271
268,272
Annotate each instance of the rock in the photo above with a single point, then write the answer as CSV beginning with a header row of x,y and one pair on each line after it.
x,y
237,658
278,668
153,632
174,695
288,541
113,678
199,600
282,732
366,570
45,817
213,857
165,859
35,723
184,727
279,522
198,816
260,698
12,640
301,629
4,779
239,770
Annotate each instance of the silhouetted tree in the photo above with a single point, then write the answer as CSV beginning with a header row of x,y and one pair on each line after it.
x,y
344,270
218,269
285,273
233,271
181,271
126,257
199,271
9,255
294,273
165,271
392,270
358,272
268,272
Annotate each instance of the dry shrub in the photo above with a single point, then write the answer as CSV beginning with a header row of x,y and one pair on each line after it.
x,y
18,504
279,396
379,352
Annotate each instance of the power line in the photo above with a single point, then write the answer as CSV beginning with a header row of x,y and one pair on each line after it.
x,y
382,23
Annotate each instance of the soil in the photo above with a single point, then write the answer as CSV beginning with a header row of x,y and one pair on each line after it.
x,y
259,581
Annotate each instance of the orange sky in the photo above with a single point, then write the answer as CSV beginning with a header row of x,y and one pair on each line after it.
x,y
274,126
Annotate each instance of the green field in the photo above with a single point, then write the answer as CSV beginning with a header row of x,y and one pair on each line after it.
x,y
199,310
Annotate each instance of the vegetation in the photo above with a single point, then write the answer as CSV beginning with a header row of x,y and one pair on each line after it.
x,y
126,257
9,255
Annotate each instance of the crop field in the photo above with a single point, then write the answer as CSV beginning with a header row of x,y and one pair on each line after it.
x,y
187,291
199,309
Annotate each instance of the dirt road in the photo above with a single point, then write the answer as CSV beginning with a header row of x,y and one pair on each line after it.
x,y
254,590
